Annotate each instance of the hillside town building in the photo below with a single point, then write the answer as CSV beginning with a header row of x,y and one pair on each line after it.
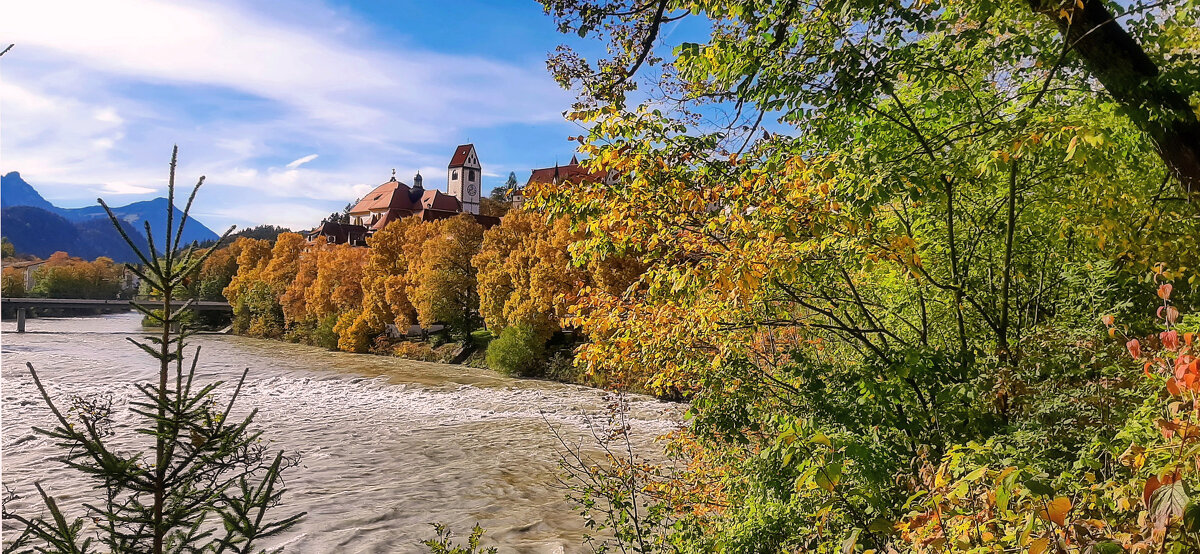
x,y
395,200
571,173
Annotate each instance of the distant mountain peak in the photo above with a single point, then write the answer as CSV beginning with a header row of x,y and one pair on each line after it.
x,y
16,193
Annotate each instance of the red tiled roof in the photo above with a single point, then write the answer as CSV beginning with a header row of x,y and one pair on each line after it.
x,y
436,200
460,155
384,197
573,173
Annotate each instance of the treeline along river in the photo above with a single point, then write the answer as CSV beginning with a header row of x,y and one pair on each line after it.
x,y
387,445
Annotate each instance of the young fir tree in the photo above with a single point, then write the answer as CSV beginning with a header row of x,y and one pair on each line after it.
x,y
208,482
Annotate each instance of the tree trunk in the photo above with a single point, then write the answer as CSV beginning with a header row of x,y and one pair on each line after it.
x,y
1131,77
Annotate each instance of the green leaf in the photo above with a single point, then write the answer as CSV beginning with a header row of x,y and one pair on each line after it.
x,y
1038,488
1168,501
1106,547
1191,517
829,476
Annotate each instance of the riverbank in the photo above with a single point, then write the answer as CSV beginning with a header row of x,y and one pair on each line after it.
x,y
555,362
388,445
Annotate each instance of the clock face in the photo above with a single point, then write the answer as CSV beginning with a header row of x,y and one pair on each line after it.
x,y
470,190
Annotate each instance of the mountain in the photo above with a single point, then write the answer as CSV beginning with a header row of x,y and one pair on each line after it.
x,y
35,226
14,191
137,213
42,233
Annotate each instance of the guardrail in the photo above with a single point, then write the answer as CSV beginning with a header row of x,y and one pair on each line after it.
x,y
22,305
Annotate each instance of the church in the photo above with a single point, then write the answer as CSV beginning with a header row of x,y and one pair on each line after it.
x,y
395,200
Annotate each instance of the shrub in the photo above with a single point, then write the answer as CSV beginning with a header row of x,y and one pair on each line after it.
x,y
517,351
560,366
414,351
325,336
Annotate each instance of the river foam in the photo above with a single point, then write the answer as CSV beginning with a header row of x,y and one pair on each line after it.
x,y
388,446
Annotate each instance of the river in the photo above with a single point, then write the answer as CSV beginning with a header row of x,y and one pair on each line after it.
x,y
388,446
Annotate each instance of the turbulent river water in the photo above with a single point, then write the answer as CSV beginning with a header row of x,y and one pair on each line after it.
x,y
387,446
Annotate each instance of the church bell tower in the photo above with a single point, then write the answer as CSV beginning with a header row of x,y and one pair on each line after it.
x,y
463,177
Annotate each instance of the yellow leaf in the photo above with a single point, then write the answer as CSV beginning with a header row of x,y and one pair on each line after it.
x,y
1039,546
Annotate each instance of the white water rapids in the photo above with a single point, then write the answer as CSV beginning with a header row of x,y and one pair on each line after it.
x,y
388,445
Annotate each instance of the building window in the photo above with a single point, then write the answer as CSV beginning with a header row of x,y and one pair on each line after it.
x,y
471,174
454,175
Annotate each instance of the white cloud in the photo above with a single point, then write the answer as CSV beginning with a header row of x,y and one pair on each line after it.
x,y
301,161
95,93
125,188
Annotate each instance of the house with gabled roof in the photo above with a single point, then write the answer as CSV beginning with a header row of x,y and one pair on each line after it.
x,y
571,173
396,200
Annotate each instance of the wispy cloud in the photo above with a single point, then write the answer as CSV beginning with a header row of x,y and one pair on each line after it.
x,y
95,94
301,161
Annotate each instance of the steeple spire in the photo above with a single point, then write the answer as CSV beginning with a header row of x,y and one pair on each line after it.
x,y
393,174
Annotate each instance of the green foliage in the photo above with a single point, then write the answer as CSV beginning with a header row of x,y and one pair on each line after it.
x,y
911,271
208,482
517,351
443,544
324,335
7,250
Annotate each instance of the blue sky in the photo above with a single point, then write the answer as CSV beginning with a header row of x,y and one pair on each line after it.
x,y
291,113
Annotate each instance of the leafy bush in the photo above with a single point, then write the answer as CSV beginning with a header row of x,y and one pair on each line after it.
x,y
560,366
517,351
325,336
424,352
443,545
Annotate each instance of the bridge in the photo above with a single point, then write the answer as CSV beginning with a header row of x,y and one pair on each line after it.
x,y
22,305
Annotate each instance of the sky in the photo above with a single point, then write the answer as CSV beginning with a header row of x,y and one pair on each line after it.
x,y
290,113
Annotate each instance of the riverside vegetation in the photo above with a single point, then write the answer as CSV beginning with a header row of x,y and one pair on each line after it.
x,y
926,270
517,278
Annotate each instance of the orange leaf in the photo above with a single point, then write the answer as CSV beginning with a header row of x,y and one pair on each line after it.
x,y
1173,387
1056,511
1134,347
1152,485
1039,546
1164,291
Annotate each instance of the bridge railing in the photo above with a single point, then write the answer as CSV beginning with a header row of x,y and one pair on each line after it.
x,y
22,305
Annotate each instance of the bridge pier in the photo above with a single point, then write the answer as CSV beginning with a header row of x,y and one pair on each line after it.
x,y
20,320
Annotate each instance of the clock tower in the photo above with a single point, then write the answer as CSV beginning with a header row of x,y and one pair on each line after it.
x,y
463,177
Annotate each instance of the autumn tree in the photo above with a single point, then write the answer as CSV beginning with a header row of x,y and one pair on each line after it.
x,y
218,271
247,293
393,250
443,281
526,276
63,276
13,283
874,234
